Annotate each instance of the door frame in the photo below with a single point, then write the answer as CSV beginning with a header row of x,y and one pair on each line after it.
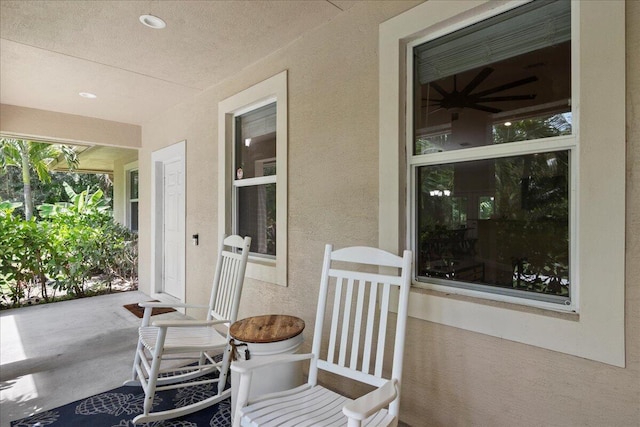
x,y
158,159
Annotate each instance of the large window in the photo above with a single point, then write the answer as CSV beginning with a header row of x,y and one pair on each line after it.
x,y
252,155
529,200
491,155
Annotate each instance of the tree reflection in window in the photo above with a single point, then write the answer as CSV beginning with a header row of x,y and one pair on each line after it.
x,y
516,237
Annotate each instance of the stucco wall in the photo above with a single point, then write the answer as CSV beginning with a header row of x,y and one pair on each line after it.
x,y
31,123
452,377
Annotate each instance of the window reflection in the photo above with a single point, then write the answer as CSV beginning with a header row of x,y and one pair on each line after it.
x,y
256,143
257,217
255,178
501,222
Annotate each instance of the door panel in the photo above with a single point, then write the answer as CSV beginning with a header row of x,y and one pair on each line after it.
x,y
173,233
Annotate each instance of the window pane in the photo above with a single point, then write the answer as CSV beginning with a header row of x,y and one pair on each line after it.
x,y
503,223
134,216
255,153
133,183
502,80
257,217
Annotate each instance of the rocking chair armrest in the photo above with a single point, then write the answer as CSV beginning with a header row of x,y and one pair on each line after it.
x,y
245,366
367,405
179,323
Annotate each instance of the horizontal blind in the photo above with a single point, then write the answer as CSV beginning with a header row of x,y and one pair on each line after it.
x,y
259,122
534,26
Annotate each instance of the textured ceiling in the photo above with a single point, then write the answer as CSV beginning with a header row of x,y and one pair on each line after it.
x,y
52,50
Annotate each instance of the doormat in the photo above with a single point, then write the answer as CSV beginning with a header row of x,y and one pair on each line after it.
x,y
118,407
139,311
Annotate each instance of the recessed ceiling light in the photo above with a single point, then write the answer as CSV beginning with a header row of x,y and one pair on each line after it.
x,y
152,22
88,95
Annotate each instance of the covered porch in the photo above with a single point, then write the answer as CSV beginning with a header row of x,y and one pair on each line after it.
x,y
54,354
472,357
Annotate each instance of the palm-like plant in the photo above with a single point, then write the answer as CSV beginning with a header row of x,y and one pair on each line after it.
x,y
36,156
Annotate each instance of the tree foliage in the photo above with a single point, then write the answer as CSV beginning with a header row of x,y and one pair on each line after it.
x,y
72,243
30,156
519,206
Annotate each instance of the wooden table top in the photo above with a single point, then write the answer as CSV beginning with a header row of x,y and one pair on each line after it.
x,y
267,328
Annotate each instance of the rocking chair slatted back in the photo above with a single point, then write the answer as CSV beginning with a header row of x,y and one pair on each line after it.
x,y
228,280
359,314
179,353
358,288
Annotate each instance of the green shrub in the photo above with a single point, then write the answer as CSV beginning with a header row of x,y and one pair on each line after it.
x,y
25,254
87,241
72,243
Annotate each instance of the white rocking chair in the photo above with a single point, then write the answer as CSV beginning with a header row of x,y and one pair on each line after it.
x,y
166,347
357,334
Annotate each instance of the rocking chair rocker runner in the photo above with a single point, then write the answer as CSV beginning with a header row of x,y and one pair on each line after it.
x,y
166,346
356,348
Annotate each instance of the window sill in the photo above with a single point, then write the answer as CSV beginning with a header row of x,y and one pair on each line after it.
x,y
419,292
263,269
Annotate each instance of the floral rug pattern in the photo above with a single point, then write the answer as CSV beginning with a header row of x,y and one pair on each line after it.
x,y
118,407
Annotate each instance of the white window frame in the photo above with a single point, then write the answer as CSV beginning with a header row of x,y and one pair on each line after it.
x,y
274,89
595,327
490,152
128,168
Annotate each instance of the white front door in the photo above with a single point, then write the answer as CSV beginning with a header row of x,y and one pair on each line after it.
x,y
168,223
173,229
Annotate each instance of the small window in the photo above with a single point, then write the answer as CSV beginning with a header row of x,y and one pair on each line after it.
x,y
487,207
252,173
255,178
132,204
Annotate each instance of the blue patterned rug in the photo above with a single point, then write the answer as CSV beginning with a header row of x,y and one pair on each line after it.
x,y
118,407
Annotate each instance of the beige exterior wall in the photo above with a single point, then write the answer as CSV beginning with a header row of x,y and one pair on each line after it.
x,y
30,123
452,377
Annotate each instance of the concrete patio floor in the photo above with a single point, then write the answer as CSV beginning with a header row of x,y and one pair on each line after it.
x,y
54,354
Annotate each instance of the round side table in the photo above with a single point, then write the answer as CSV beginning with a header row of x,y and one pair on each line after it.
x,y
262,337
